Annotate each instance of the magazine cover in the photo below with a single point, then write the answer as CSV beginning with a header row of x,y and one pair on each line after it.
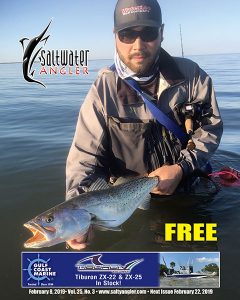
x,y
120,164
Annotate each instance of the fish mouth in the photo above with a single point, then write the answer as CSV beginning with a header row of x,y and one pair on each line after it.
x,y
40,234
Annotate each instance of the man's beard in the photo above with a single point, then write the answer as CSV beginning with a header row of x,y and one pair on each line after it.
x,y
142,68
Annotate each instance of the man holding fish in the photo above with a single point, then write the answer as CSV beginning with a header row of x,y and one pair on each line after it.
x,y
149,113
118,134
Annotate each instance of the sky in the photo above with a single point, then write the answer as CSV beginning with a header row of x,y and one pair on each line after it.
x,y
208,26
200,259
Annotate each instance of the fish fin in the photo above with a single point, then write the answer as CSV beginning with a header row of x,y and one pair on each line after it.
x,y
45,39
99,184
22,42
105,228
122,180
23,39
97,222
102,225
146,203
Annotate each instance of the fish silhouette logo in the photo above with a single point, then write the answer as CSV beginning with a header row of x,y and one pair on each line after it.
x,y
30,52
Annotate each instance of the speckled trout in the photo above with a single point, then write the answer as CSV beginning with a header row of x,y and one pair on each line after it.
x,y
105,209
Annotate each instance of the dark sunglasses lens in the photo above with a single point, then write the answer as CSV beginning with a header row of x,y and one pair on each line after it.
x,y
149,34
127,36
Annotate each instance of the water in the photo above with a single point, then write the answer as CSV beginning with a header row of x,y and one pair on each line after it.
x,y
37,126
211,282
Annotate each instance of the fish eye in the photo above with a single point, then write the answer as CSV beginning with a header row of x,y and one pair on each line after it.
x,y
49,219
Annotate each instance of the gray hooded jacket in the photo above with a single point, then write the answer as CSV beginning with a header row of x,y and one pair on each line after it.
x,y
115,129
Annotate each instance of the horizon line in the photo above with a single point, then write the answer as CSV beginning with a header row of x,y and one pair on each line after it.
x,y
186,55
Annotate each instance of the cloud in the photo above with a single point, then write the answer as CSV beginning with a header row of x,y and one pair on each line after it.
x,y
207,260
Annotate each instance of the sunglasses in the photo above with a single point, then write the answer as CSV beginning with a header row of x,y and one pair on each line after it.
x,y
129,36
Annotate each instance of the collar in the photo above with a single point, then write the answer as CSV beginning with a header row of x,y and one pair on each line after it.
x,y
169,70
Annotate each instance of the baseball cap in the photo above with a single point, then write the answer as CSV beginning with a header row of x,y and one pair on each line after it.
x,y
130,13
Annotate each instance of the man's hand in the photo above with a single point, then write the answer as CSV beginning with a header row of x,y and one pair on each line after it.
x,y
169,178
82,242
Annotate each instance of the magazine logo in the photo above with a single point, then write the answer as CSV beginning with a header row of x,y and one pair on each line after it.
x,y
39,272
52,62
29,56
96,265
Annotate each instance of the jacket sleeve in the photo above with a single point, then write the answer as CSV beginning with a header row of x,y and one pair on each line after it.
x,y
208,126
88,159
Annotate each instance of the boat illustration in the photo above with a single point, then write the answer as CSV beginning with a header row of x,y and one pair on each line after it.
x,y
186,272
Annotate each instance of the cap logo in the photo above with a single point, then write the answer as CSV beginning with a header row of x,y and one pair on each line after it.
x,y
136,9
